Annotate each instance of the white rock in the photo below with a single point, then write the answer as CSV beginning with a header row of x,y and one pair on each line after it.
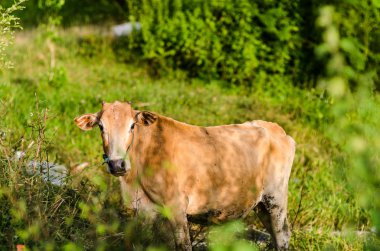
x,y
125,29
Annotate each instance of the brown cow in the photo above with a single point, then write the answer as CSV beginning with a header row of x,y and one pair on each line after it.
x,y
216,173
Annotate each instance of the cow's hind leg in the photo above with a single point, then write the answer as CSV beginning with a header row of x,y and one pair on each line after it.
x,y
181,233
265,218
272,213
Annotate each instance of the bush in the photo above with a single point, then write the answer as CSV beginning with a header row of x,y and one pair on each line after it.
x,y
252,41
237,41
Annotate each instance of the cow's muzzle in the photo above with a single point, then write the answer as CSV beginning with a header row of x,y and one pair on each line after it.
x,y
117,167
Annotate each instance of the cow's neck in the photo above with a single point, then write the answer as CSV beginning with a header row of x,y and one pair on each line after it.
x,y
149,142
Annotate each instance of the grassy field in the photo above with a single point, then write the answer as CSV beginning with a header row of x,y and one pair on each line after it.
x,y
62,75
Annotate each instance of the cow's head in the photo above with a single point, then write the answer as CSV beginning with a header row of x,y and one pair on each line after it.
x,y
116,122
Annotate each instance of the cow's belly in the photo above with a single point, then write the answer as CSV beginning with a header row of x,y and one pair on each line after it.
x,y
218,215
222,205
213,216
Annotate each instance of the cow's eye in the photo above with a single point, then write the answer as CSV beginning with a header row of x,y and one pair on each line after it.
x,y
101,127
132,126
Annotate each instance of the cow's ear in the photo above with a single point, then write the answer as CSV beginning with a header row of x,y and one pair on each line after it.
x,y
87,121
145,118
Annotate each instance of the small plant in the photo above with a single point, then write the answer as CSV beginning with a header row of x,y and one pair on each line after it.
x,y
225,238
8,22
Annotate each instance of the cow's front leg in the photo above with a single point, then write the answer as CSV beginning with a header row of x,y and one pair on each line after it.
x,y
181,232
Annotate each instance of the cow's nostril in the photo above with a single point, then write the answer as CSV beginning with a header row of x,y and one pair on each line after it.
x,y
117,167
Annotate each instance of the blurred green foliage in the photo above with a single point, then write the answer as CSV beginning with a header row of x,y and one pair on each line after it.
x,y
354,113
224,238
71,12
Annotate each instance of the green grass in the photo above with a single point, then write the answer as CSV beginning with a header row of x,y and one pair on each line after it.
x,y
69,78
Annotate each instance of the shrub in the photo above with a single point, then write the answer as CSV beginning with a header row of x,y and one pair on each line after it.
x,y
237,41
251,41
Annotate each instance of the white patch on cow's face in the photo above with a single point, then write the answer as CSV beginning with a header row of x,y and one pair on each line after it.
x,y
120,140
